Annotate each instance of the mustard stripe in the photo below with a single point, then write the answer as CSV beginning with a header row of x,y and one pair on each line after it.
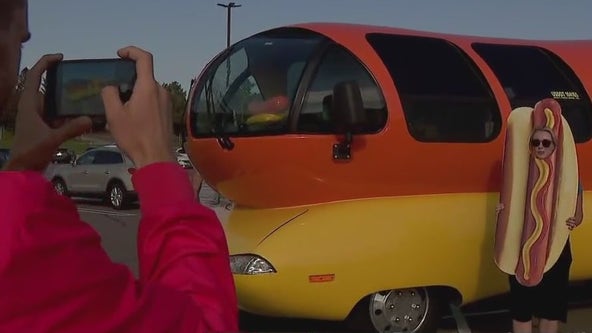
x,y
543,169
550,118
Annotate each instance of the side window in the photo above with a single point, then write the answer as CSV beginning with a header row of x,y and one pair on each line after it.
x,y
293,78
213,98
529,74
338,65
246,93
250,89
87,158
445,98
108,157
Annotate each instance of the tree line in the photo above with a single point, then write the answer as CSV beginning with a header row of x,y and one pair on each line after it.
x,y
178,97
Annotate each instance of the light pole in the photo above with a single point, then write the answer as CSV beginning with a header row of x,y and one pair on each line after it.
x,y
228,7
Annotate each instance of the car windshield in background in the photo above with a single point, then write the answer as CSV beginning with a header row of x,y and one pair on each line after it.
x,y
250,89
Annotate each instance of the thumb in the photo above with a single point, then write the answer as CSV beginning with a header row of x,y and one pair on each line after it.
x,y
112,102
73,128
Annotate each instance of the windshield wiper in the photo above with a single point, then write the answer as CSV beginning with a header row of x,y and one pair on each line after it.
x,y
223,139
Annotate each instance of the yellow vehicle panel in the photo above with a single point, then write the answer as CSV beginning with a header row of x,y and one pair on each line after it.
x,y
369,246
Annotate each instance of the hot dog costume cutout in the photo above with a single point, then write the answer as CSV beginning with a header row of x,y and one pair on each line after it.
x,y
538,195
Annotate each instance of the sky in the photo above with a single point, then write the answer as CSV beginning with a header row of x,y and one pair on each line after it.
x,y
184,35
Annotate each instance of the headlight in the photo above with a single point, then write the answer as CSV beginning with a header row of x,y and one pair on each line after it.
x,y
250,264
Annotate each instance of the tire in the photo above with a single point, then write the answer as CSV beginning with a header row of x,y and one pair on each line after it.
x,y
116,195
412,310
60,186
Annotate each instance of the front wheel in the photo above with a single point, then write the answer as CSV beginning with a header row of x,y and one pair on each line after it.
x,y
116,196
400,310
60,186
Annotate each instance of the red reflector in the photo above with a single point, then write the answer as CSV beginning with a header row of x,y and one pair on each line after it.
x,y
321,278
131,170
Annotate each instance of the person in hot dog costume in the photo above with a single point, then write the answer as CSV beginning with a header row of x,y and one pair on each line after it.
x,y
540,204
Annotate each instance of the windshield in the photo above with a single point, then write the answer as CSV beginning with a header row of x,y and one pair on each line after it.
x,y
250,90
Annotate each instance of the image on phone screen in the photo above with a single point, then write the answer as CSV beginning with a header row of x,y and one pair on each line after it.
x,y
81,84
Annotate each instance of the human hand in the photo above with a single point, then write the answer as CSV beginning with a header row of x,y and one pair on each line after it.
x,y
572,222
35,142
143,126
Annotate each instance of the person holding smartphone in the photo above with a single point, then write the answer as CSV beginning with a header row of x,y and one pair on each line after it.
x,y
54,274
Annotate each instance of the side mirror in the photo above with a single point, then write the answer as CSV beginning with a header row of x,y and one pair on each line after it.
x,y
348,114
347,108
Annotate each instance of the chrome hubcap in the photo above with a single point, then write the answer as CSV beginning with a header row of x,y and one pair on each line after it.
x,y
116,196
59,187
400,310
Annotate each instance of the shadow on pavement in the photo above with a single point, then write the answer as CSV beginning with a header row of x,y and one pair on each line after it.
x,y
101,204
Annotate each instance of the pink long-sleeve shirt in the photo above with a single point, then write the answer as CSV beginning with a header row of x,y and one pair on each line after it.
x,y
55,276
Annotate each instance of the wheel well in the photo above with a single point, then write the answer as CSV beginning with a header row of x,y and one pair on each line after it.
x,y
449,293
441,292
115,181
57,178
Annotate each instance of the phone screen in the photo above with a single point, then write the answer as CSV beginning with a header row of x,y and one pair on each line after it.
x,y
78,84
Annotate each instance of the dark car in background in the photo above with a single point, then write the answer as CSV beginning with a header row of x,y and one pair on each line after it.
x,y
63,156
4,155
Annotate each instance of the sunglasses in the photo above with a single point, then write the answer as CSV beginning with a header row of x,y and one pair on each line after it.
x,y
536,142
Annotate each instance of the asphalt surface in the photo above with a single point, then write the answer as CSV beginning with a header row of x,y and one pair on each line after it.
x,y
118,230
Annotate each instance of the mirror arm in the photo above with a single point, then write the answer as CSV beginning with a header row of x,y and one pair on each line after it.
x,y
349,138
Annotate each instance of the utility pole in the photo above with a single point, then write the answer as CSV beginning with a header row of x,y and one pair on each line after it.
x,y
228,7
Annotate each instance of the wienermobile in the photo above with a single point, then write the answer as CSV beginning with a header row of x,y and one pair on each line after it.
x,y
365,164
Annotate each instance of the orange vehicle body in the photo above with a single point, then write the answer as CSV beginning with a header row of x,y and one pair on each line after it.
x,y
280,171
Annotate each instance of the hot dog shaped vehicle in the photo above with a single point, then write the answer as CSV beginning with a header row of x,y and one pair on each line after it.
x,y
365,164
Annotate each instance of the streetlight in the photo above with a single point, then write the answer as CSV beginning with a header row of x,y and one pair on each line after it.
x,y
228,7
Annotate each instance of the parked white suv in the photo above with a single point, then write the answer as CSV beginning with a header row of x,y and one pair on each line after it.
x,y
102,172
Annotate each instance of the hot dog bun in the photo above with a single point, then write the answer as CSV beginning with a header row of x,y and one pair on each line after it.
x,y
538,194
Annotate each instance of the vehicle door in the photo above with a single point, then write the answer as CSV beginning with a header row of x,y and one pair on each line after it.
x,y
105,166
76,177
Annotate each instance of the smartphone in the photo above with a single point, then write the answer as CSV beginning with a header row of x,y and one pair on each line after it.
x,y
73,87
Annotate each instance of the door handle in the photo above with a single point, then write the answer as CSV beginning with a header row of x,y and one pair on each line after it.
x,y
107,172
85,172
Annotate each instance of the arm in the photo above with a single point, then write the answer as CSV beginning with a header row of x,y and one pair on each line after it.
x,y
54,275
579,215
576,220
181,244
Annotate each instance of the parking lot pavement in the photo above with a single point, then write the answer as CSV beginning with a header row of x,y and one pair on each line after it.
x,y
579,319
118,231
